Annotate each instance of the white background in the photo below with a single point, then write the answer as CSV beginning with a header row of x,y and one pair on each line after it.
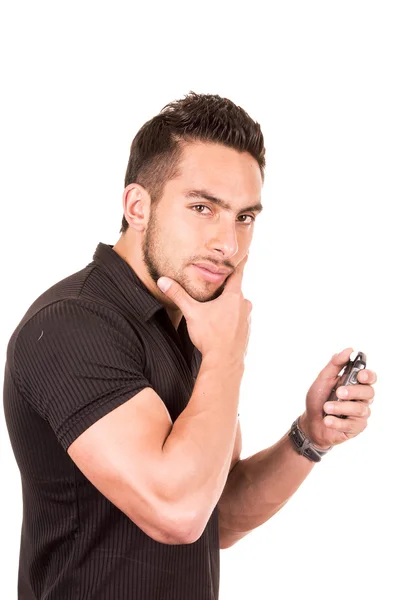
x,y
79,79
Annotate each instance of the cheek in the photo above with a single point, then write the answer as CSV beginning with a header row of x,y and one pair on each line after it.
x,y
188,234
244,238
180,242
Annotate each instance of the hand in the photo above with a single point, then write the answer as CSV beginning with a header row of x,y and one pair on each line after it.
x,y
330,430
220,327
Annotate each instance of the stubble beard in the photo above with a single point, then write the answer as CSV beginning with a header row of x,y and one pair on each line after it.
x,y
152,255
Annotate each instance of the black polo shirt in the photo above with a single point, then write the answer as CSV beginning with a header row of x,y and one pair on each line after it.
x,y
85,346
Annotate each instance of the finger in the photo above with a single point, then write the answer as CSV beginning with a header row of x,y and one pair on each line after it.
x,y
235,280
332,369
176,293
349,409
355,392
347,426
367,376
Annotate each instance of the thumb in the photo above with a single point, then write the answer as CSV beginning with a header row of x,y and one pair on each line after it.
x,y
176,293
336,363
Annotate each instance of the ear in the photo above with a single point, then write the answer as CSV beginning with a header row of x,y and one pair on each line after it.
x,y
136,206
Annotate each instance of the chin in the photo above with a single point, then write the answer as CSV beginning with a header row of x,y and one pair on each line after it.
x,y
206,295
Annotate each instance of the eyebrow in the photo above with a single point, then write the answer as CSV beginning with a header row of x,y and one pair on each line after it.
x,y
222,203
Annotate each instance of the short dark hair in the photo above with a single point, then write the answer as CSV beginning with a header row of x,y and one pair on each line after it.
x,y
157,148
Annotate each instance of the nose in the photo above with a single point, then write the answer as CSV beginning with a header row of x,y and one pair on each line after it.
x,y
224,239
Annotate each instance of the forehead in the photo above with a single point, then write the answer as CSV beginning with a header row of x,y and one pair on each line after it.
x,y
224,171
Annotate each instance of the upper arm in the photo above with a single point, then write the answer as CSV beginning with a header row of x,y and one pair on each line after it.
x,y
121,455
83,372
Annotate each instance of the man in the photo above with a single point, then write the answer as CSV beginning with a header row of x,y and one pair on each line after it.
x,y
122,382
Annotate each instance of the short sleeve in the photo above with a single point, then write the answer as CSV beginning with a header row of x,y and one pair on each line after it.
x,y
76,361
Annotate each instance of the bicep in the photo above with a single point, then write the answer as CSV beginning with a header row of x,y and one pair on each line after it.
x,y
120,454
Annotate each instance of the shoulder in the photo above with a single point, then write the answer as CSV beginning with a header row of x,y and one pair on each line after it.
x,y
76,330
75,313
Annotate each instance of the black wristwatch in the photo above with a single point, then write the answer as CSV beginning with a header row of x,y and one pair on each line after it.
x,y
303,445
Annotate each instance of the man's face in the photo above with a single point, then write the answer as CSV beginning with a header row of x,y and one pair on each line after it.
x,y
184,231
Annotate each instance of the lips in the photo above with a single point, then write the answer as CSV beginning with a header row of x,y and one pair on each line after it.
x,y
213,268
207,275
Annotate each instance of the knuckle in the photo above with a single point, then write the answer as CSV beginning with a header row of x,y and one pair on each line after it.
x,y
248,304
363,412
174,293
339,423
351,426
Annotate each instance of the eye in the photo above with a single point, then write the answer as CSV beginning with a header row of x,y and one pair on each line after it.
x,y
247,222
199,206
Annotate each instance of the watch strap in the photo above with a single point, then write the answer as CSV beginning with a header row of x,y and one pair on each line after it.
x,y
304,445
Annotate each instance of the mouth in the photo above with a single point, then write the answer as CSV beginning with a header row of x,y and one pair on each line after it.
x,y
214,277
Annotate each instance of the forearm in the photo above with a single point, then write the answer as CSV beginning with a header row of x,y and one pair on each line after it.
x,y
197,452
258,487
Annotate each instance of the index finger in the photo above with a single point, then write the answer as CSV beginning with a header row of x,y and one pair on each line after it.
x,y
235,280
367,376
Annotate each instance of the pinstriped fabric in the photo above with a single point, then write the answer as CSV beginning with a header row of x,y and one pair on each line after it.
x,y
85,346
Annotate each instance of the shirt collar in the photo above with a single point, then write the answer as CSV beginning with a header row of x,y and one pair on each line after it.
x,y
127,281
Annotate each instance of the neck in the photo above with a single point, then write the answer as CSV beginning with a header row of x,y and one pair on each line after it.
x,y
132,256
